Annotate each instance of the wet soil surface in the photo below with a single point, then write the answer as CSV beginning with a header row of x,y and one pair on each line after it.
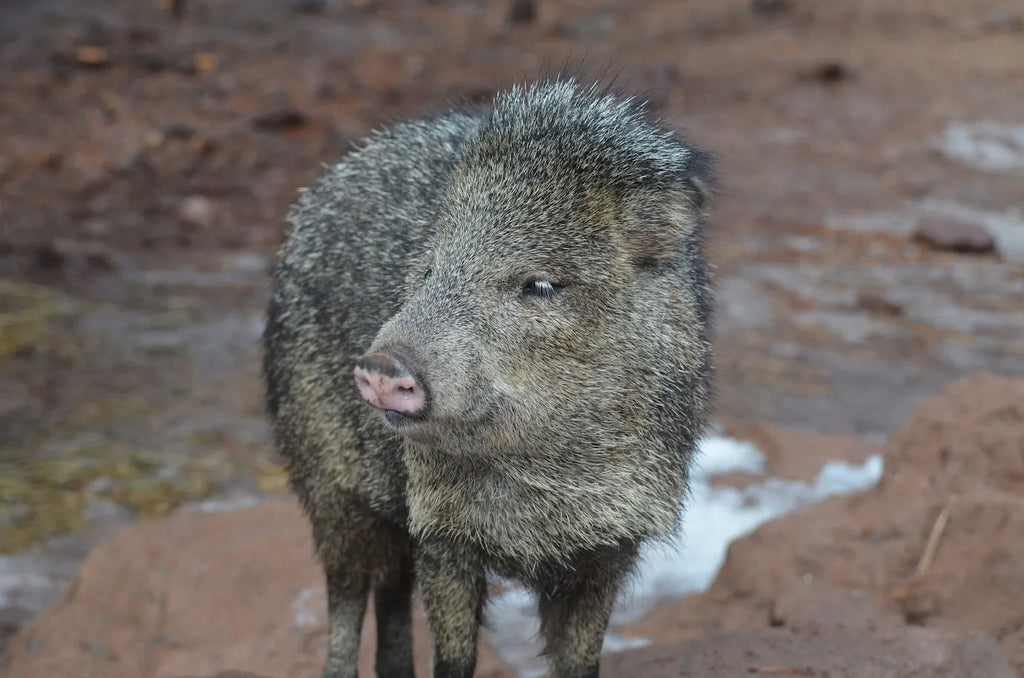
x,y
868,238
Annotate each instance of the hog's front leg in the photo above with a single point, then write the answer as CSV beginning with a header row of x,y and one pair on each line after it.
x,y
575,608
452,581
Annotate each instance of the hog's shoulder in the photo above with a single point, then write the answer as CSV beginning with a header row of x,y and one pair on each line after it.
x,y
390,184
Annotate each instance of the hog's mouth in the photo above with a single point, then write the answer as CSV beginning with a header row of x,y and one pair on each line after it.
x,y
431,424
400,420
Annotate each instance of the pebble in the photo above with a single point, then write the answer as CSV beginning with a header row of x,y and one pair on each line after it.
x,y
196,212
953,235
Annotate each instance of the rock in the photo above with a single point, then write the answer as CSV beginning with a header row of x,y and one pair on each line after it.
x,y
96,228
908,654
92,56
770,7
874,302
310,6
196,594
177,8
953,235
1003,20
829,72
280,119
522,11
196,212
63,251
938,542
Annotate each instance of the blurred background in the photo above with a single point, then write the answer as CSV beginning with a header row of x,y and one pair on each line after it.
x,y
868,238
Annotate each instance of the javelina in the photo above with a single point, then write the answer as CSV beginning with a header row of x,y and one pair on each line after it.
x,y
527,289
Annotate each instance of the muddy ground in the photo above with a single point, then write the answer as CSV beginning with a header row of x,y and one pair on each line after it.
x,y
147,162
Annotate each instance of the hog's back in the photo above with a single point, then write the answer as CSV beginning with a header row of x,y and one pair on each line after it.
x,y
339,277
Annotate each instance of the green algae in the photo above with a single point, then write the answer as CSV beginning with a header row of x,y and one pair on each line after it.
x,y
49,496
32,317
272,478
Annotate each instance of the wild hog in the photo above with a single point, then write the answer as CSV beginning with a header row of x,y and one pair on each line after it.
x,y
521,297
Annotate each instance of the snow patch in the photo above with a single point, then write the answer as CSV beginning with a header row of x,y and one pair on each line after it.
x,y
988,146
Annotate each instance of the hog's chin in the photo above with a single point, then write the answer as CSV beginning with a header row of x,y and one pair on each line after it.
x,y
398,420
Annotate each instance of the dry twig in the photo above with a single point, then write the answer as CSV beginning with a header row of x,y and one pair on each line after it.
x,y
932,545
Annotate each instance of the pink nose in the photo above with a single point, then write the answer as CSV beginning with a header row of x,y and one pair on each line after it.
x,y
387,380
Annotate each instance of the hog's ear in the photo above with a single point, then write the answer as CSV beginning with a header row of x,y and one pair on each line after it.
x,y
667,220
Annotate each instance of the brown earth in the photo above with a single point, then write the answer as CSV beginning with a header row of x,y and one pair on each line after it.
x,y
917,653
146,164
913,578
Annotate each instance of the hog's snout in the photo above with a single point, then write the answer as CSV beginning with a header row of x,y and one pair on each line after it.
x,y
390,380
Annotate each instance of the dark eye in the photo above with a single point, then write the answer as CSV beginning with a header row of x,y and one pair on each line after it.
x,y
545,289
427,273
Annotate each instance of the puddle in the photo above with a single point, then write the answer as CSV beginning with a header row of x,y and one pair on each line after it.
x,y
715,517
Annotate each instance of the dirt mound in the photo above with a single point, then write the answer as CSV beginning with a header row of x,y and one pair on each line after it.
x,y
970,438
937,544
194,594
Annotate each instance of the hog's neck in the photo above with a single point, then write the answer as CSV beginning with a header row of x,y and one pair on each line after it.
x,y
536,509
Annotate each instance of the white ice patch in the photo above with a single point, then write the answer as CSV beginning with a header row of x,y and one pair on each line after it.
x,y
232,502
304,615
988,146
713,519
19,584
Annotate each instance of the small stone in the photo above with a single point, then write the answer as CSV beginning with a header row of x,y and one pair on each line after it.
x,y
770,7
953,235
830,72
522,11
1003,20
204,62
177,130
95,228
62,251
196,212
177,8
92,56
281,119
310,6
873,302
917,608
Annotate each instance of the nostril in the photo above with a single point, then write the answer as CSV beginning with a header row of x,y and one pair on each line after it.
x,y
388,380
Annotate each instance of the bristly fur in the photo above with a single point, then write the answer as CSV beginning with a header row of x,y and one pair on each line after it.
x,y
562,426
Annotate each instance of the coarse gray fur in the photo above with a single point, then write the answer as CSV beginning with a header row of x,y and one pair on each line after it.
x,y
561,423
